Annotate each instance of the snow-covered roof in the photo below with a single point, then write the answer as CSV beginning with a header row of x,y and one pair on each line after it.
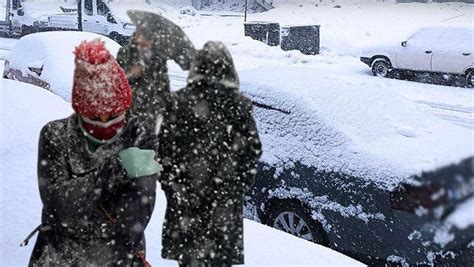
x,y
53,51
357,126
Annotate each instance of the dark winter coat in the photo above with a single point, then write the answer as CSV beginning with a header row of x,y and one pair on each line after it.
x,y
93,214
214,159
151,88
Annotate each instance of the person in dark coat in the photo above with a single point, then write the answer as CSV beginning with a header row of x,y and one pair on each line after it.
x,y
214,157
96,172
155,40
144,59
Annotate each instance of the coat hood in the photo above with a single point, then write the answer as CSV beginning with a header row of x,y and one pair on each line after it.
x,y
213,64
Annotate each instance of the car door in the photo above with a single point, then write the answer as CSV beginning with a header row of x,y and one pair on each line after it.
x,y
418,51
102,26
454,50
88,20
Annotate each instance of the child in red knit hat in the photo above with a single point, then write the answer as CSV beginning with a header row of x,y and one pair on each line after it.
x,y
96,172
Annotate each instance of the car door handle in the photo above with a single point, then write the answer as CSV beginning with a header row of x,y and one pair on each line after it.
x,y
466,54
97,21
428,52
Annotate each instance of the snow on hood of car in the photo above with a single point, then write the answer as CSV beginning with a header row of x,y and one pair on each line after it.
x,y
53,51
356,127
463,216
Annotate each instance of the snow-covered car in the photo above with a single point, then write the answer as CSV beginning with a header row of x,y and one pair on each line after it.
x,y
46,59
440,49
359,168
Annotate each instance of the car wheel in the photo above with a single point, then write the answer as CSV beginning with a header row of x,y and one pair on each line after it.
x,y
470,78
293,218
25,30
381,67
120,39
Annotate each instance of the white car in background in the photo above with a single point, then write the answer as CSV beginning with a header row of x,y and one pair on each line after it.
x,y
46,59
440,49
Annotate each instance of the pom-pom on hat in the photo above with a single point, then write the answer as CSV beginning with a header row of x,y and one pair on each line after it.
x,y
100,85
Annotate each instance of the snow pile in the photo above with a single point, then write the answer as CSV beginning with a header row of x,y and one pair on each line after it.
x,y
343,32
463,216
24,110
6,45
358,127
188,10
53,52
265,246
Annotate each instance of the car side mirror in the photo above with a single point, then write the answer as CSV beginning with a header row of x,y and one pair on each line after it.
x,y
404,43
37,70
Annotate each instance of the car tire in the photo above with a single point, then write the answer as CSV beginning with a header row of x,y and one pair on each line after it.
x,y
282,213
120,39
470,78
25,30
381,67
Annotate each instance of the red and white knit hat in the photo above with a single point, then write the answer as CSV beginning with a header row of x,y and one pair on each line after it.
x,y
100,85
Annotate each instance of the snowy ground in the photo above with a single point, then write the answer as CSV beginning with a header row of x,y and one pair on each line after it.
x,y
343,35
20,205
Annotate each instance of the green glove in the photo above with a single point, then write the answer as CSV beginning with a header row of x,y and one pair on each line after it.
x,y
139,162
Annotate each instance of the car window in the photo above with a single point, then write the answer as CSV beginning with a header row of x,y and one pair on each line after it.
x,y
425,37
102,8
445,39
456,39
88,7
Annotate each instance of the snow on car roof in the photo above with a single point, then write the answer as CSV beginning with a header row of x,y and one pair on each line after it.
x,y
445,37
53,51
355,126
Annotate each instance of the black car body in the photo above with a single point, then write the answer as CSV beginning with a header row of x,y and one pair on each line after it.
x,y
353,209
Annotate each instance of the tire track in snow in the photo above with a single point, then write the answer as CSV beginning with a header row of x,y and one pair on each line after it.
x,y
460,115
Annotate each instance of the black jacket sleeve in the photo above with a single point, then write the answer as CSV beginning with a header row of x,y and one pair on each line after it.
x,y
70,200
135,201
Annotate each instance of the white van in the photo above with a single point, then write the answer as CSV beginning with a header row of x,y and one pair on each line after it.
x,y
106,17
